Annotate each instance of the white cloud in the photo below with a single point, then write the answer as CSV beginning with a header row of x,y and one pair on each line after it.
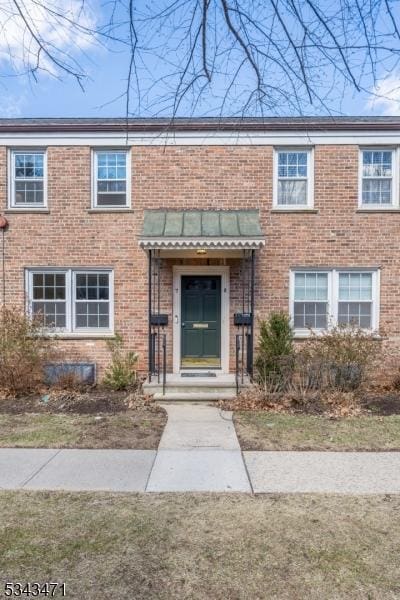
x,y
61,25
385,96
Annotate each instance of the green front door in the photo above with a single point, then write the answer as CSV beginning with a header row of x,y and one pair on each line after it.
x,y
201,322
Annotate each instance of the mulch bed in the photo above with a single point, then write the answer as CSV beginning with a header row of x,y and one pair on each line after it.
x,y
379,403
383,404
84,402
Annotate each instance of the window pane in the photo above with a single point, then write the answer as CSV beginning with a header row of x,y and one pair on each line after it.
x,y
111,165
111,186
358,314
355,286
310,314
28,165
377,191
92,314
292,191
51,314
28,192
111,199
311,286
292,164
377,163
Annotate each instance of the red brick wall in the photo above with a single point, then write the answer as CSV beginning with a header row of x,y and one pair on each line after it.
x,y
213,177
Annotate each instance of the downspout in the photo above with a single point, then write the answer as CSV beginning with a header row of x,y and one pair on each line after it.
x,y
3,227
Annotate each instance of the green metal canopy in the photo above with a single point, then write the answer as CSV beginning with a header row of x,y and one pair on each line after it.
x,y
194,228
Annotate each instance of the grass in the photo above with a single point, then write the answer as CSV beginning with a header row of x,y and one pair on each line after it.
x,y
260,430
224,547
134,429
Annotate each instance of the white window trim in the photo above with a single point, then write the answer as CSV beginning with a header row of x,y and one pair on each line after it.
x,y
333,296
395,180
310,179
11,179
94,206
70,286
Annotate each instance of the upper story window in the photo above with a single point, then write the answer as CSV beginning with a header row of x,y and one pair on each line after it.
x,y
293,179
321,299
28,179
71,300
377,187
111,179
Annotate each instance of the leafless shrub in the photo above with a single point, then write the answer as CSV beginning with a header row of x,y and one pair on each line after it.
x,y
24,352
327,370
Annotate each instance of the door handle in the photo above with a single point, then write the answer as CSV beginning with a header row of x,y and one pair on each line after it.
x,y
183,324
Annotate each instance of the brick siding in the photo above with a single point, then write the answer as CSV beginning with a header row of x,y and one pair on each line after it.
x,y
194,177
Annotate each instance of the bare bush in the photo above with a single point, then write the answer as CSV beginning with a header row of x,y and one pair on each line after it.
x,y
326,371
24,352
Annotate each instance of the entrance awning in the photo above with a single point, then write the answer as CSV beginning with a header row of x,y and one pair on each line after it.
x,y
213,229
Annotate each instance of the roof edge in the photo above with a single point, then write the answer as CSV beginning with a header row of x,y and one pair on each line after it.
x,y
226,124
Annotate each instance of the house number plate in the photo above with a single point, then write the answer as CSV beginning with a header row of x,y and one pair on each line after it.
x,y
200,325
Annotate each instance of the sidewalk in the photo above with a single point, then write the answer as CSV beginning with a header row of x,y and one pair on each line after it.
x,y
199,452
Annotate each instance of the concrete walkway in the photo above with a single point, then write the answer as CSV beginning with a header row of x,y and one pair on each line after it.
x,y
199,452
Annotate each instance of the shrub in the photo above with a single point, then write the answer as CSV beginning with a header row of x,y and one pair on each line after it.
x,y
24,352
273,362
121,374
337,360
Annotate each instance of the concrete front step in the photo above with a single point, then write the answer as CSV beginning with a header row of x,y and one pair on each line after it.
x,y
194,396
221,387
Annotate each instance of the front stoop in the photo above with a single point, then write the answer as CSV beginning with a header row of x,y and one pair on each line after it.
x,y
221,387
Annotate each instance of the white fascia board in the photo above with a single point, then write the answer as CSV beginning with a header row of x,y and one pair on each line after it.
x,y
212,138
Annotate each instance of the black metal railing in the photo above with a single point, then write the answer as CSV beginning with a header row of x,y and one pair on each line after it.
x,y
158,357
244,320
243,357
237,362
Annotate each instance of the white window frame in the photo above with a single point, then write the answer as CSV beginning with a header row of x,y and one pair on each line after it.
x,y
11,179
70,289
310,179
333,295
395,180
95,152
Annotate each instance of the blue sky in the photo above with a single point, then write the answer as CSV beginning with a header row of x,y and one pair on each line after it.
x,y
55,94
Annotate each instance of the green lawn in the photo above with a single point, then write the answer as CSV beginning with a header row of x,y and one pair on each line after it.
x,y
132,429
202,547
260,430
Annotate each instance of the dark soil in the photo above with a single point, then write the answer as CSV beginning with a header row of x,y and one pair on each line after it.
x,y
84,402
378,403
383,404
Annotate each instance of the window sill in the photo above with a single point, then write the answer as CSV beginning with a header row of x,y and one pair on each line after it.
x,y
378,210
306,335
42,211
82,336
294,210
110,210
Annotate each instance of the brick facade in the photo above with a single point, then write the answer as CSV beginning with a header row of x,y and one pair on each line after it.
x,y
334,234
